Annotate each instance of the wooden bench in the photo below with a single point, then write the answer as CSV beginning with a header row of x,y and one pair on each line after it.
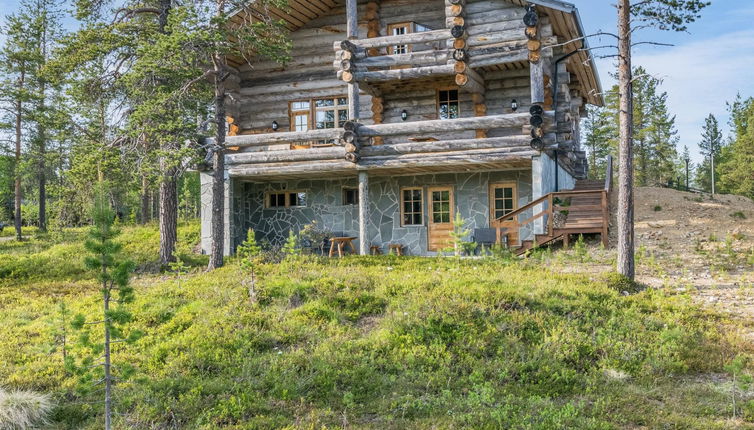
x,y
340,243
397,247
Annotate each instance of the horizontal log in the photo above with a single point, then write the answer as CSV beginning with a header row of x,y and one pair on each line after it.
x,y
444,146
411,58
404,39
334,168
283,137
496,59
440,159
398,74
313,154
458,124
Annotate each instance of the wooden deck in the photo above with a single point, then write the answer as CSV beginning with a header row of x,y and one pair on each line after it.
x,y
582,210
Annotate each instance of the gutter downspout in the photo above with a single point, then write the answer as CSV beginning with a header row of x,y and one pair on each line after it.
x,y
555,103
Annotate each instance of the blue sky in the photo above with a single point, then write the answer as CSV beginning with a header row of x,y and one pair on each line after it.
x,y
706,68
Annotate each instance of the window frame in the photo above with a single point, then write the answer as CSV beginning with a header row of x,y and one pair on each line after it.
x,y
311,116
493,199
409,26
457,100
343,196
287,199
422,208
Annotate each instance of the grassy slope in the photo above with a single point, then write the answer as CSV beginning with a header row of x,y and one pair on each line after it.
x,y
377,342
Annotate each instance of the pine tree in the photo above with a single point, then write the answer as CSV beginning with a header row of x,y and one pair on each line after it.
x,y
113,275
18,59
737,158
599,139
711,145
666,15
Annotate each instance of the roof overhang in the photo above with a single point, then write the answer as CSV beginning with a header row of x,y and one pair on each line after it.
x,y
566,22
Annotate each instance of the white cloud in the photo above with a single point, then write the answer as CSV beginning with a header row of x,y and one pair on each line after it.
x,y
700,77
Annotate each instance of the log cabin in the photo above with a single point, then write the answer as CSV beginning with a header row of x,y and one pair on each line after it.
x,y
394,115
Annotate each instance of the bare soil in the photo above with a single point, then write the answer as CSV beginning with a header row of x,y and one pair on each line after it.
x,y
691,242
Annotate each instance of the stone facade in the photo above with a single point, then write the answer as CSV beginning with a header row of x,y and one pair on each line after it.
x,y
325,205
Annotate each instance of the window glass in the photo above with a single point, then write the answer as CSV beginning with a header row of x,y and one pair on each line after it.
x,y
300,122
350,196
412,206
325,119
300,105
441,206
448,106
503,201
326,113
399,30
276,200
286,199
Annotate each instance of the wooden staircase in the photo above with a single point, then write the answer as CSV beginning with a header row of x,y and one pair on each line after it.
x,y
582,210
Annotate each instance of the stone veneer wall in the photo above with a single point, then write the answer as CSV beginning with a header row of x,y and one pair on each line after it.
x,y
326,207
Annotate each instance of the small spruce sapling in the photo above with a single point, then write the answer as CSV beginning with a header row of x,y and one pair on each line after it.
x,y
180,269
459,235
113,275
251,257
741,380
291,247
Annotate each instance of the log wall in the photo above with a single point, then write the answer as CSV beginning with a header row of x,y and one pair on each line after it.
x,y
493,29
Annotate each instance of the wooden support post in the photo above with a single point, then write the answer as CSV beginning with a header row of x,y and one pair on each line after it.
x,y
364,241
352,26
536,65
373,24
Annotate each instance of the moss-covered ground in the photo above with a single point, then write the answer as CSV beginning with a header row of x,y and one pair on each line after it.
x,y
373,342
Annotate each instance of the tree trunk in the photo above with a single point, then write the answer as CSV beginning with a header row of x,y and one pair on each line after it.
x,y
218,175
168,215
145,204
42,144
17,166
712,172
626,264
168,185
108,376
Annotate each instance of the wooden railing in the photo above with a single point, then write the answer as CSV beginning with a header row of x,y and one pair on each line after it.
x,y
549,207
609,174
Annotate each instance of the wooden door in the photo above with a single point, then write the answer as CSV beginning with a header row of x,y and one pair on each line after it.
x,y
441,215
504,200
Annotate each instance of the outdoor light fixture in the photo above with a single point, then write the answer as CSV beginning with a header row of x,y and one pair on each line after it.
x,y
404,115
514,105
275,126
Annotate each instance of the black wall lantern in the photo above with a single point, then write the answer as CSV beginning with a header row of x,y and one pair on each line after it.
x,y
514,105
275,126
404,115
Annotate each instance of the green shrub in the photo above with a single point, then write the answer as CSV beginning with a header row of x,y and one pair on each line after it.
x,y
622,284
657,208
383,342
738,215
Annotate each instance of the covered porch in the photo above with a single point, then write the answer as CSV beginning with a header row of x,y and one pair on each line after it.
x,y
379,206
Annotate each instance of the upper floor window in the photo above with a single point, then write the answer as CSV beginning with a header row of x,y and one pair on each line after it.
x,y
399,29
318,114
448,106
